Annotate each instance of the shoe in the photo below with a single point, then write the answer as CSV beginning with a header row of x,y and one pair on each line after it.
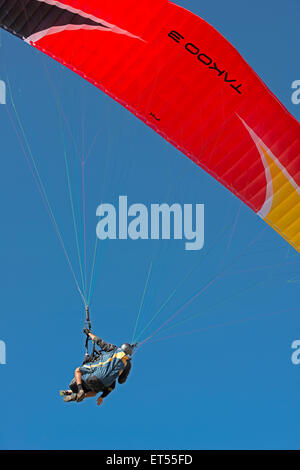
x,y
72,397
64,393
80,396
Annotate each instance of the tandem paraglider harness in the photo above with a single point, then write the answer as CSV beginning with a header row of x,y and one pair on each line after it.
x,y
96,353
93,384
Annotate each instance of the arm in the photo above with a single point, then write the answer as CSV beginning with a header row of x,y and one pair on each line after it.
x,y
106,392
102,344
123,377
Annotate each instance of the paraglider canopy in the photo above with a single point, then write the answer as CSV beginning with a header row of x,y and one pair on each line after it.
x,y
186,81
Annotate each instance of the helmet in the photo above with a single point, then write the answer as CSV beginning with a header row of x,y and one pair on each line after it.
x,y
127,348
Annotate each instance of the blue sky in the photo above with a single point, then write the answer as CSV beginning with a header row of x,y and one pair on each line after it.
x,y
219,376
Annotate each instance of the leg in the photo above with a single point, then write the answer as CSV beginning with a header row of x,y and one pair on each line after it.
x,y
78,379
78,376
90,394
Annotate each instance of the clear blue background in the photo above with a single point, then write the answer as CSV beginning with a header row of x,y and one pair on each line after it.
x,y
222,379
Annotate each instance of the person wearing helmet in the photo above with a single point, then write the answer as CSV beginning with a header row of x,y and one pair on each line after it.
x,y
113,363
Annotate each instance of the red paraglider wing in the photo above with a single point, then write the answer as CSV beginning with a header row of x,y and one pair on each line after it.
x,y
185,80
